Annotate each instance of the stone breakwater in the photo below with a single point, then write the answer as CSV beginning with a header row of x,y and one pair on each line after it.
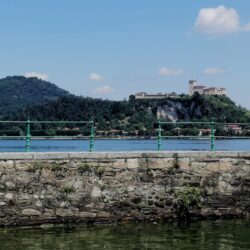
x,y
37,188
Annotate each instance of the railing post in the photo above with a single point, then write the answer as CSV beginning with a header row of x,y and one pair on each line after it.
x,y
28,136
92,136
212,137
159,136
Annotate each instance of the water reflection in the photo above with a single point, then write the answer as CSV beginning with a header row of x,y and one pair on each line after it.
x,y
201,235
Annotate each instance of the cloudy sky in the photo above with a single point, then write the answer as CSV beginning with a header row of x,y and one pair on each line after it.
x,y
111,49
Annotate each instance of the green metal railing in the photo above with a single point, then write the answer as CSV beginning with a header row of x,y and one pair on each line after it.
x,y
28,135
92,135
212,125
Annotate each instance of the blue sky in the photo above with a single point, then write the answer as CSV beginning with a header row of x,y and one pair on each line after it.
x,y
114,48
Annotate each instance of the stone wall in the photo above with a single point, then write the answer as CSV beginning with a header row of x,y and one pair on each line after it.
x,y
38,188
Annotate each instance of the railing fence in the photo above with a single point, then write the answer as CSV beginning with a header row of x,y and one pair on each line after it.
x,y
212,126
28,135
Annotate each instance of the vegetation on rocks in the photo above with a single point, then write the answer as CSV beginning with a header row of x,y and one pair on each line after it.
x,y
186,200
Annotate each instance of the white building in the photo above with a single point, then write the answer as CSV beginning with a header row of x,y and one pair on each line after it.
x,y
202,89
143,95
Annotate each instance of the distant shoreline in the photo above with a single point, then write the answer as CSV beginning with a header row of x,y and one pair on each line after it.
x,y
124,138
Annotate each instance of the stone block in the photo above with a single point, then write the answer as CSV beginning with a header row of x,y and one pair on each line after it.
x,y
65,212
16,156
23,166
223,154
244,154
6,165
213,167
225,166
9,197
157,154
39,203
10,185
131,188
132,163
184,163
119,163
233,161
197,167
48,213
87,215
31,212
160,163
96,192
47,173
49,156
185,154
124,155
86,155
103,215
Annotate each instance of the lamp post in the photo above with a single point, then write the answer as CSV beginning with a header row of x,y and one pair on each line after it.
x,y
159,136
28,136
212,137
92,135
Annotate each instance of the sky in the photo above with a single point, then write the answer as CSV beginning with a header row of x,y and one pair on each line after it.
x,y
111,49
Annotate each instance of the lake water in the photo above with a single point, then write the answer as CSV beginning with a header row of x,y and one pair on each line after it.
x,y
124,145
228,235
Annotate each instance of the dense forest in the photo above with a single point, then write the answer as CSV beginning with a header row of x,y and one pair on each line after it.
x,y
20,92
120,116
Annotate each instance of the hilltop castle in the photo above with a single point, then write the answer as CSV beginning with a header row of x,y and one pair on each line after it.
x,y
201,89
193,87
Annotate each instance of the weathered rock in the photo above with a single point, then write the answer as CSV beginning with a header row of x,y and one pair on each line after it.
x,y
96,192
132,163
9,197
31,212
10,185
87,215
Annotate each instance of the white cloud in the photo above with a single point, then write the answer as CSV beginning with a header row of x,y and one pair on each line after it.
x,y
219,20
95,77
106,89
169,72
246,27
213,71
38,75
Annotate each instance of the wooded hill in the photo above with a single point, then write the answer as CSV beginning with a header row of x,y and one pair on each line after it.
x,y
19,92
45,101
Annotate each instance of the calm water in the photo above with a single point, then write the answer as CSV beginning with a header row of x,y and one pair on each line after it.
x,y
123,145
228,235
